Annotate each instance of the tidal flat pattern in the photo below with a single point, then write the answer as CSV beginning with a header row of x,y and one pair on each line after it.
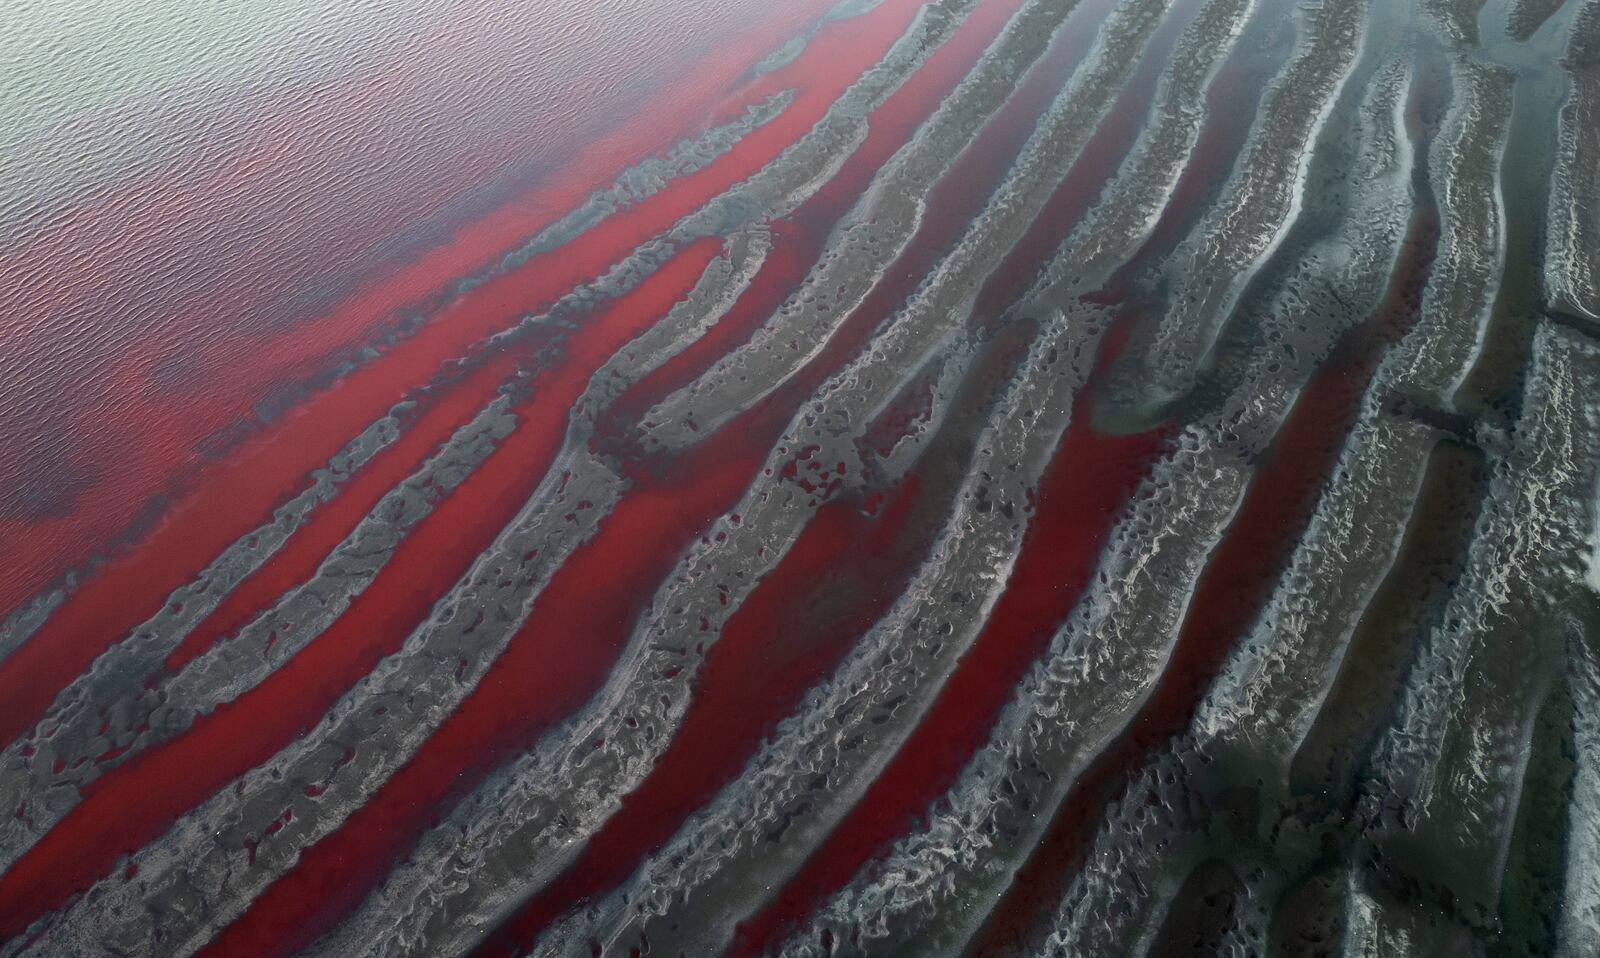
x,y
844,477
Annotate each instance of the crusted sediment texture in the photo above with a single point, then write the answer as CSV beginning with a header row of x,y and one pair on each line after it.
x,y
192,880
1069,124
531,806
1447,773
633,185
93,718
1245,439
1455,22
1111,231
1263,704
1268,693
642,181
1139,857
863,244
189,878
1572,252
1262,198
1376,926
1465,173
532,816
20,625
949,867
1579,928
806,775
1525,17
1103,664
200,861
89,738
1453,753
918,896
152,641
535,814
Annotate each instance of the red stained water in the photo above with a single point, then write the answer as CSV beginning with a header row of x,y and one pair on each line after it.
x,y
1237,582
134,803
188,442
954,201
240,492
544,675
841,576
1090,478
800,241
330,524
1112,467
599,592
147,419
1114,137
961,194
843,572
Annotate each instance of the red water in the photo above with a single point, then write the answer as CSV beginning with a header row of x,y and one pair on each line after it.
x,y
241,490
135,802
1047,580
113,421
599,592
1090,478
1237,582
838,578
191,340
